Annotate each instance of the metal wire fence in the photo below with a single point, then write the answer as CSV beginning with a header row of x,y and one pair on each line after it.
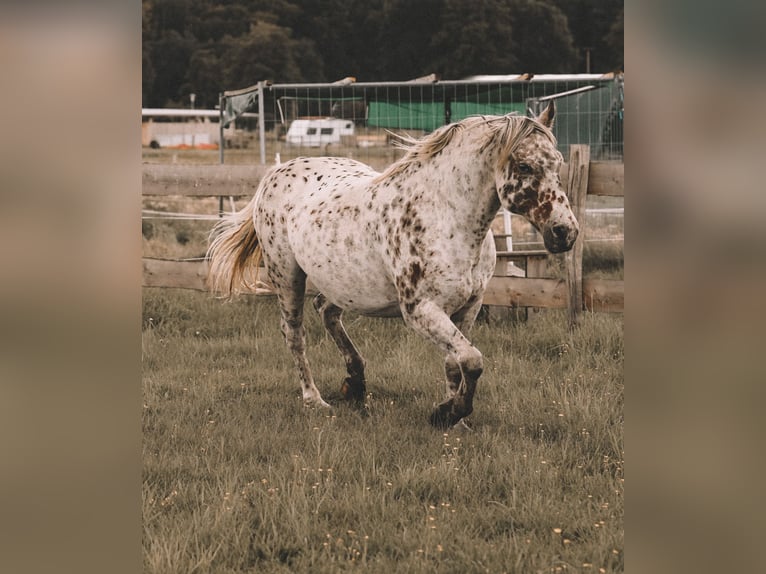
x,y
356,119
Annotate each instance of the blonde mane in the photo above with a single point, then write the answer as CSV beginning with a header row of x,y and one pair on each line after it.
x,y
506,131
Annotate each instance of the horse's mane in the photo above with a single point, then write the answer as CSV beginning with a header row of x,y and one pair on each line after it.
x,y
506,131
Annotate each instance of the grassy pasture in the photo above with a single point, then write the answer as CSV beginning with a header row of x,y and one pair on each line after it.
x,y
240,477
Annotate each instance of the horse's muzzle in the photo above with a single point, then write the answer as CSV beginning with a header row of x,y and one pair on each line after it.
x,y
559,238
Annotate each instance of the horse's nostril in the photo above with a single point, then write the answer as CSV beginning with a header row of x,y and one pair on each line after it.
x,y
560,231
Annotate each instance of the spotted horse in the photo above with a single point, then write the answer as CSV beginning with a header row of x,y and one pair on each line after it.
x,y
413,241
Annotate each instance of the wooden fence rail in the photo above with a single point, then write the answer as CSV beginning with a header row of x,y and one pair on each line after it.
x,y
598,294
577,293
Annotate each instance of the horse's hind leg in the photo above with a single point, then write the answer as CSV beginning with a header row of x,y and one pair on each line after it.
x,y
353,386
291,296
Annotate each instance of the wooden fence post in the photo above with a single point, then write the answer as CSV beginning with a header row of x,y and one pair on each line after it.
x,y
577,189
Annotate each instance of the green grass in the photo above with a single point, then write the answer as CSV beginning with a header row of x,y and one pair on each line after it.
x,y
240,477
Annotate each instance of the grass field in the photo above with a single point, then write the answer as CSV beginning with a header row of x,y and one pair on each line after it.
x,y
240,477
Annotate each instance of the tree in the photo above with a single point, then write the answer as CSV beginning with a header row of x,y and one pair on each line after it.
x,y
268,52
405,41
205,77
171,53
542,42
615,42
344,33
590,21
147,77
147,68
206,46
474,38
172,15
217,21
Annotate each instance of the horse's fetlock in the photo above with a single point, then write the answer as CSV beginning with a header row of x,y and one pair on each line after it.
x,y
473,373
356,366
353,389
452,370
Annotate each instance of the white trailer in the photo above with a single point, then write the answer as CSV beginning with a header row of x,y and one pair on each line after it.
x,y
316,132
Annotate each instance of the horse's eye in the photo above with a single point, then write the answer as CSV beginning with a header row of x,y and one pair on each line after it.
x,y
525,169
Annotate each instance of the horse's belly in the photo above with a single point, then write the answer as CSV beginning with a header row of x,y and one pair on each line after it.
x,y
351,276
365,292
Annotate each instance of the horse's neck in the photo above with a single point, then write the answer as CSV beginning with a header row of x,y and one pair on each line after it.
x,y
457,192
471,189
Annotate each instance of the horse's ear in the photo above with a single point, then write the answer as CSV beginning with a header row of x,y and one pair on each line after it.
x,y
546,118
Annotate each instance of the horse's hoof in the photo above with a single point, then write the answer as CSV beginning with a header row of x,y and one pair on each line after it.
x,y
316,403
353,391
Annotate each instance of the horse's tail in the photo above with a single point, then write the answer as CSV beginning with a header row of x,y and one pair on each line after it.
x,y
234,254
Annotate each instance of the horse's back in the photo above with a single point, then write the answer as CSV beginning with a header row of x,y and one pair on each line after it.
x,y
314,214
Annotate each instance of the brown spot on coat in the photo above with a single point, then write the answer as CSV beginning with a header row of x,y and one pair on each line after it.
x,y
543,211
416,273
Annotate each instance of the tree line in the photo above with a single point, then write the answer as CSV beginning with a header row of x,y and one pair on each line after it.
x,y
207,46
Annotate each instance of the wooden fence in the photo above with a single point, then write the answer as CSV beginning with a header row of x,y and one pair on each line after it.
x,y
577,293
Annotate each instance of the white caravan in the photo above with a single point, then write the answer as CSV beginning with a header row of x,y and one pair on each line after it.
x,y
318,132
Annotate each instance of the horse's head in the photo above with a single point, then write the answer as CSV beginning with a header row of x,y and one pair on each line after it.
x,y
528,183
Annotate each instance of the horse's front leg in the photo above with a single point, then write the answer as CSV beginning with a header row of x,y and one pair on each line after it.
x,y
432,322
464,320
